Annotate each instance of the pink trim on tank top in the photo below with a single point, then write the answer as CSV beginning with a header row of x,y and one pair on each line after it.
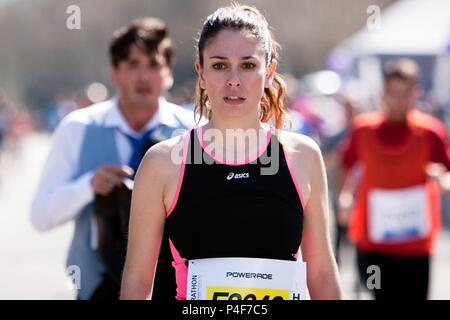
x,y
181,272
183,166
212,155
291,172
296,255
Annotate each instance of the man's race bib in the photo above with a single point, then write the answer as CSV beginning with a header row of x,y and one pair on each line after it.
x,y
398,215
246,279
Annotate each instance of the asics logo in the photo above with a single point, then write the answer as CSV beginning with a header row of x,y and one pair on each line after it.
x,y
233,175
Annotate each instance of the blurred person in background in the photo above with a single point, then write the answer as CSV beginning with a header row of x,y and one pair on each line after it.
x,y
95,149
3,124
395,215
299,118
56,110
307,122
3,128
330,148
19,124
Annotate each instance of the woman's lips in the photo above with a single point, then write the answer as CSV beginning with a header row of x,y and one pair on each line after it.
x,y
233,100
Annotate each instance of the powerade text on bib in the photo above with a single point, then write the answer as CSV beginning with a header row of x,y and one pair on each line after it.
x,y
246,279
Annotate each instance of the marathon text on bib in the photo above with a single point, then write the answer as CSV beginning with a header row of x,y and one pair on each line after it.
x,y
397,215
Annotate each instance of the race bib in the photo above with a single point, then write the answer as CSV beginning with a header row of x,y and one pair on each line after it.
x,y
246,279
396,216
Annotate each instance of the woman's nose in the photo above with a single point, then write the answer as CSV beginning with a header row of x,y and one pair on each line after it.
x,y
234,80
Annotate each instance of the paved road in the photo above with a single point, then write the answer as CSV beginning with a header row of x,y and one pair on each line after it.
x,y
32,264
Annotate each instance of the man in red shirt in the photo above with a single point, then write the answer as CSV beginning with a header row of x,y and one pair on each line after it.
x,y
396,210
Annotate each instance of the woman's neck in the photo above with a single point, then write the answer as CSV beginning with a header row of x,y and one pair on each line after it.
x,y
235,139
245,124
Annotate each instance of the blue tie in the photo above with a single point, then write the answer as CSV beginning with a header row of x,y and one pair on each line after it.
x,y
137,145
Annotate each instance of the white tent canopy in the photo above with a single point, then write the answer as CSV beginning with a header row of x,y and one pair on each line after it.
x,y
407,27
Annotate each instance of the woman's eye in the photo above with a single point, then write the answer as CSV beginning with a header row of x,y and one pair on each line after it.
x,y
218,66
248,65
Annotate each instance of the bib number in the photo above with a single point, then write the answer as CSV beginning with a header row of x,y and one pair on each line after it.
x,y
396,216
240,293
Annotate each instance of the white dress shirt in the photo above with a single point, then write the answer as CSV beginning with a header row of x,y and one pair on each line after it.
x,y
60,197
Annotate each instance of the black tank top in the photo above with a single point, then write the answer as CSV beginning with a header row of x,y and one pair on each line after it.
x,y
235,211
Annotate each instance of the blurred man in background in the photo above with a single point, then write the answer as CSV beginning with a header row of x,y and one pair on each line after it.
x,y
396,215
94,150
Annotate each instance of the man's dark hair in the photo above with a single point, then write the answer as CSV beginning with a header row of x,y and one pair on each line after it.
x,y
150,35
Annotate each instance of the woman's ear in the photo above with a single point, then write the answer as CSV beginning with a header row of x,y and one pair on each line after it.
x,y
199,70
270,73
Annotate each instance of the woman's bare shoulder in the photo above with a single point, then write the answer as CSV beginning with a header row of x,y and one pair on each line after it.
x,y
299,144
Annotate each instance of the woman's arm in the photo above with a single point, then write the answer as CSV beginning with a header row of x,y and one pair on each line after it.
x,y
322,271
146,227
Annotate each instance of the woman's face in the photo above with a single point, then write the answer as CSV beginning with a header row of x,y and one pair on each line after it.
x,y
234,73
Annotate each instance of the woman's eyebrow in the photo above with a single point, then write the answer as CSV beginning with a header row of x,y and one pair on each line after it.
x,y
224,58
